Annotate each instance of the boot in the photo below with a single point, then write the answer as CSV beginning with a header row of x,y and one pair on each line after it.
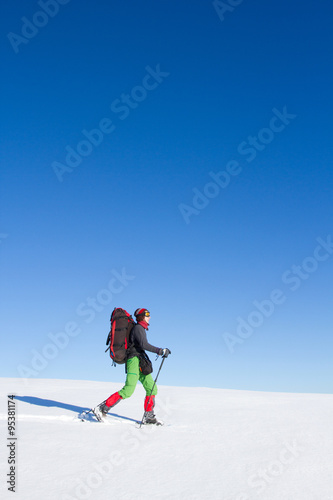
x,y
150,418
102,409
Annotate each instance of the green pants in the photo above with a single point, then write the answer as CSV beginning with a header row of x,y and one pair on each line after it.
x,y
133,375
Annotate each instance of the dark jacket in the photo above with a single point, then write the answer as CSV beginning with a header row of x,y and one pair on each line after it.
x,y
139,343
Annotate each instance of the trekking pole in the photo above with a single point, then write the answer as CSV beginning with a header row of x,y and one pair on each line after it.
x,y
152,390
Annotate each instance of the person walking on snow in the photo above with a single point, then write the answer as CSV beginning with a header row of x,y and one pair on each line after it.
x,y
137,346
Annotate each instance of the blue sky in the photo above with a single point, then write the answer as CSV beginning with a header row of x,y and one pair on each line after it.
x,y
175,156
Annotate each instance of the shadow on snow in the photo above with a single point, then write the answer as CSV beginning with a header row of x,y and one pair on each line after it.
x,y
65,406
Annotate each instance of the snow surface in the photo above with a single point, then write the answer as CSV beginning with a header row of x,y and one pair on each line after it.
x,y
215,444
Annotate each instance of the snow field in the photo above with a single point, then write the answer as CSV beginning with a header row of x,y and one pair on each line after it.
x,y
215,444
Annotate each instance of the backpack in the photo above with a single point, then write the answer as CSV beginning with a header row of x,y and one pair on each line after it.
x,y
118,338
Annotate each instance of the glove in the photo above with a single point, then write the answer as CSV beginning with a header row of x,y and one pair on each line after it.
x,y
165,353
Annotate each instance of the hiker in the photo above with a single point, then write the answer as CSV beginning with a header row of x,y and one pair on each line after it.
x,y
136,369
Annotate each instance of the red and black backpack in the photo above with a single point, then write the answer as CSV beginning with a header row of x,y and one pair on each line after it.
x,y
118,338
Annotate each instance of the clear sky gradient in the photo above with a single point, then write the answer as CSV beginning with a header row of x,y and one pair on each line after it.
x,y
175,156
